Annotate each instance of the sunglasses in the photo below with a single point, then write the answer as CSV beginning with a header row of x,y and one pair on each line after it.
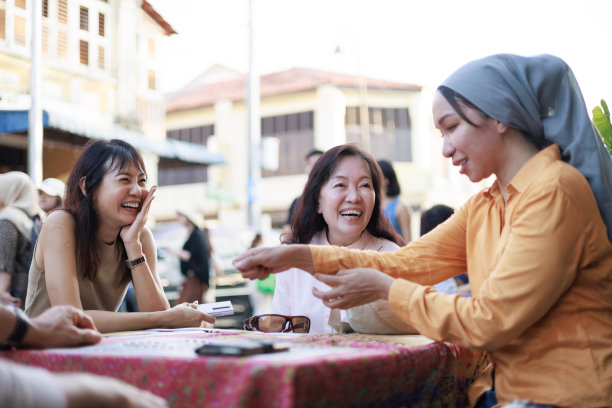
x,y
275,323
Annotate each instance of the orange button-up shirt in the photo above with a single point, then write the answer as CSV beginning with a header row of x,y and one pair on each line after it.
x,y
540,270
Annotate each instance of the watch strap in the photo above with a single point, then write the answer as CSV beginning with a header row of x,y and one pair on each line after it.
x,y
21,327
132,263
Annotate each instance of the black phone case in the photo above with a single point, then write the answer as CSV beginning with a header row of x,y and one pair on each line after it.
x,y
240,347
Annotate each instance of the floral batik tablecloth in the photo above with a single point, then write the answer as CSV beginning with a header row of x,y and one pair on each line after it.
x,y
348,370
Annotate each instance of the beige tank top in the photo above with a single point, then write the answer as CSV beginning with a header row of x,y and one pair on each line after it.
x,y
103,293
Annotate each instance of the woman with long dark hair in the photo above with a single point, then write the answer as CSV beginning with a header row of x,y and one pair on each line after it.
x,y
90,250
340,205
535,244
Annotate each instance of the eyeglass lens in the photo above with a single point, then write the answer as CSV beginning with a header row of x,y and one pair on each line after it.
x,y
273,323
300,324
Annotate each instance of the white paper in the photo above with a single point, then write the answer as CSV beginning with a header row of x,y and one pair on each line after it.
x,y
217,309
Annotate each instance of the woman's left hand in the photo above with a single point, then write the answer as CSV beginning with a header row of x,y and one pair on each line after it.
x,y
353,287
130,234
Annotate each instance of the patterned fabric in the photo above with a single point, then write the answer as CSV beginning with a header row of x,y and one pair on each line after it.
x,y
321,371
14,255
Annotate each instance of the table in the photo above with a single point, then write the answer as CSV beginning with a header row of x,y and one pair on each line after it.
x,y
349,370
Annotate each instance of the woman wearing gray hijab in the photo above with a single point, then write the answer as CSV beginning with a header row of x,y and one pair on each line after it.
x,y
535,244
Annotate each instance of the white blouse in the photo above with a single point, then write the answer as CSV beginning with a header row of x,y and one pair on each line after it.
x,y
293,293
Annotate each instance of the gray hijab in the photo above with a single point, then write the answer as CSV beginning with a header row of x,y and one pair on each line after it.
x,y
540,96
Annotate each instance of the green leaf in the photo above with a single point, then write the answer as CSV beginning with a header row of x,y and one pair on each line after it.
x,y
601,119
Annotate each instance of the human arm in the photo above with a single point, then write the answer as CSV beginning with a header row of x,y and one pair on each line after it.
x,y
60,326
56,255
430,259
147,285
534,264
181,254
31,387
258,263
94,391
353,287
183,315
138,240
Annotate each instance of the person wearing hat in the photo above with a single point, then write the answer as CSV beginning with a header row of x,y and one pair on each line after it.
x,y
194,259
51,194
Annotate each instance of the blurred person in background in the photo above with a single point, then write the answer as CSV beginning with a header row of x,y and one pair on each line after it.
x,y
51,194
397,212
340,205
194,259
24,386
430,219
18,208
97,243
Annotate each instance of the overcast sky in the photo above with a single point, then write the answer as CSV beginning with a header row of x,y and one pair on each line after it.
x,y
413,41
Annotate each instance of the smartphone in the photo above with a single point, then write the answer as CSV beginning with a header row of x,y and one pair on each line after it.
x,y
240,347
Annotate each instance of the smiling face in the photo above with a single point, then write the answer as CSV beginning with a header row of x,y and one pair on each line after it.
x,y
346,200
475,147
118,199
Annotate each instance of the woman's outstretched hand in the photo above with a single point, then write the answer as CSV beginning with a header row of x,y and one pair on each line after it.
x,y
185,315
130,234
260,262
353,287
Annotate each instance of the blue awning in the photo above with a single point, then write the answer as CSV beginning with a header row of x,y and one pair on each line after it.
x,y
16,121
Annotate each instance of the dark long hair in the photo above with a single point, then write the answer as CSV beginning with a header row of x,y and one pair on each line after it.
x,y
306,221
96,160
393,186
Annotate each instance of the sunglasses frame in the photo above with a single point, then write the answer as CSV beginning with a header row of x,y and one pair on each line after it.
x,y
252,323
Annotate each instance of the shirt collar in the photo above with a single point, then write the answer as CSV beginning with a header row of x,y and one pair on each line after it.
x,y
524,177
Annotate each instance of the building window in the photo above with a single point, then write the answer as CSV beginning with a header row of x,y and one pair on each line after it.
x,y
101,64
84,18
296,138
172,172
45,40
151,48
101,24
151,84
20,30
389,129
84,52
62,11
62,45
20,4
2,24
45,8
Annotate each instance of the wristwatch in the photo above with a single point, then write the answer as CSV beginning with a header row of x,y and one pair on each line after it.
x,y
132,263
21,328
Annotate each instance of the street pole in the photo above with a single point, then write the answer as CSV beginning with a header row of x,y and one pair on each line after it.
x,y
35,128
254,131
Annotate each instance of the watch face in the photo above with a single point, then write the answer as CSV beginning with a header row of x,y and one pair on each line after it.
x,y
133,262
